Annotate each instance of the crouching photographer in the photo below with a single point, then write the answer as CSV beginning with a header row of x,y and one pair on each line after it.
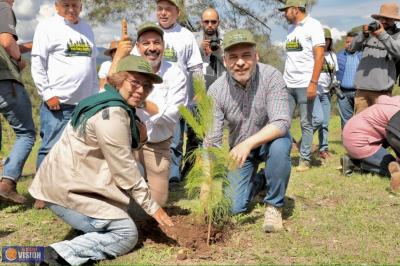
x,y
380,42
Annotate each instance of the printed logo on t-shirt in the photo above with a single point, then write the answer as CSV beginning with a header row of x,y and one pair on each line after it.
x,y
170,54
293,45
78,48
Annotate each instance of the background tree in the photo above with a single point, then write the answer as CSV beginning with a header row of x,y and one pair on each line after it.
x,y
257,15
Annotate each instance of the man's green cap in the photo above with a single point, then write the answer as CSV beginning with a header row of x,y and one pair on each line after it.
x,y
174,2
294,3
327,33
133,63
235,37
149,26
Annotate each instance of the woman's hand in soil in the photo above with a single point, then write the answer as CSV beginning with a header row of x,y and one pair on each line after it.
x,y
162,218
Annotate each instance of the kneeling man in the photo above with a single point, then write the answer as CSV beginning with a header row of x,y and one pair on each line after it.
x,y
253,99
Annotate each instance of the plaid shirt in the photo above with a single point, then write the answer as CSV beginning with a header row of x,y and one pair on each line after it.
x,y
248,109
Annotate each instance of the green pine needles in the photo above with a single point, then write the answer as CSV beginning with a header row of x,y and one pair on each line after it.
x,y
208,177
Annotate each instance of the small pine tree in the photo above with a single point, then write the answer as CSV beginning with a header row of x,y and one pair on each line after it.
x,y
208,176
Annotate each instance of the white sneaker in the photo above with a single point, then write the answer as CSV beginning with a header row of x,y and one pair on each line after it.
x,y
273,219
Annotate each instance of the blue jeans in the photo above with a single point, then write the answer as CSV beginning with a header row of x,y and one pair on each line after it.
x,y
298,96
244,183
103,238
378,162
52,124
346,106
176,151
322,109
17,110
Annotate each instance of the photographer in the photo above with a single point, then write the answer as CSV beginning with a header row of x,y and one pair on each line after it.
x,y
380,42
213,68
211,47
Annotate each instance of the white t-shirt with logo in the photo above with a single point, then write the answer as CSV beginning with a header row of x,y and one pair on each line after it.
x,y
64,60
300,41
330,66
181,47
167,96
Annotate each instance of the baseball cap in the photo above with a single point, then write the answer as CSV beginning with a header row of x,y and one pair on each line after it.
x,y
294,3
174,2
327,33
149,26
238,36
138,64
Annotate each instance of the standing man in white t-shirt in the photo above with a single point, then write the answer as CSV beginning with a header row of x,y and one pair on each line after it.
x,y
63,68
180,47
305,56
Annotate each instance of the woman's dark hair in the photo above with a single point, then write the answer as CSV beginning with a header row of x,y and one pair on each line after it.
x,y
329,48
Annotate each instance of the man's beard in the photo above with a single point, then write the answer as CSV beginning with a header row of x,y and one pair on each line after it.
x,y
153,62
209,33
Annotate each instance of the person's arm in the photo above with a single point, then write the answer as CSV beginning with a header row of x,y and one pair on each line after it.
x,y
277,101
358,41
124,49
114,139
318,63
25,47
10,45
40,52
168,113
391,44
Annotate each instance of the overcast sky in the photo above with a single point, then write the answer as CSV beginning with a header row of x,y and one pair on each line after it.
x,y
340,15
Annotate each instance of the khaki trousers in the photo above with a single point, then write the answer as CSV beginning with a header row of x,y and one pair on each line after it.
x,y
156,158
364,99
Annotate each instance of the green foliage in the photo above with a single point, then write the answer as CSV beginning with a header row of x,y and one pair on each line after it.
x,y
255,15
207,179
209,174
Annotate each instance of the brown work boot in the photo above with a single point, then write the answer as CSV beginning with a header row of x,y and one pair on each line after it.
x,y
8,191
394,169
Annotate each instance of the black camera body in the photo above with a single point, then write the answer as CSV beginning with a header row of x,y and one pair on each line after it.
x,y
215,43
335,89
374,26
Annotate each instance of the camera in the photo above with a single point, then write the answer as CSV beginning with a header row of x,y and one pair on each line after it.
x,y
374,26
214,43
335,89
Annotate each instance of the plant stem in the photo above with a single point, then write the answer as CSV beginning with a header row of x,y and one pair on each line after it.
x,y
209,231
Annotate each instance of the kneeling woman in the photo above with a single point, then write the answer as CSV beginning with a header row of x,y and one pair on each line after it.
x,y
365,140
88,177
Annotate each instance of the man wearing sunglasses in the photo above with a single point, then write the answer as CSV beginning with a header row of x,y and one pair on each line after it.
x,y
213,67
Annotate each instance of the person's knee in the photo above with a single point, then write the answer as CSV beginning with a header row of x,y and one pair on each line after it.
x,y
239,202
126,239
280,148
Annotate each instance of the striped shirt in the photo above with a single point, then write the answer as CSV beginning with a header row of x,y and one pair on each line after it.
x,y
350,70
248,109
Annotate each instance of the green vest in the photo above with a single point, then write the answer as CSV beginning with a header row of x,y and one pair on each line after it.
x,y
9,70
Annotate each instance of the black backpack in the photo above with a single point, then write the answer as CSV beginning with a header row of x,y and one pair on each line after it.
x,y
393,133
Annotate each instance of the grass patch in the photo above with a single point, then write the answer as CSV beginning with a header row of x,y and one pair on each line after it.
x,y
329,219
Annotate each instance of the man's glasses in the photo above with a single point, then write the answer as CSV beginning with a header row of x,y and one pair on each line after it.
x,y
213,22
